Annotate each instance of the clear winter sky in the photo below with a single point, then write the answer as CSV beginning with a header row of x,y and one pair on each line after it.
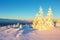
x,y
27,8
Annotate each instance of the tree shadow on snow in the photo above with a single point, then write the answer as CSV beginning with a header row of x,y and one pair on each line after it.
x,y
27,29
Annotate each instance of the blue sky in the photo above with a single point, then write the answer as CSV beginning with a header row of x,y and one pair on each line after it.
x,y
27,8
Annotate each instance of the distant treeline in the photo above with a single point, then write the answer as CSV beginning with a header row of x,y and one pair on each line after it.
x,y
4,22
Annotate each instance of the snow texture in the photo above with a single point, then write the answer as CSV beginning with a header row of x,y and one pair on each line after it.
x,y
28,33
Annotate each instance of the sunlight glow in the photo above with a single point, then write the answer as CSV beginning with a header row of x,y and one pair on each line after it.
x,y
43,23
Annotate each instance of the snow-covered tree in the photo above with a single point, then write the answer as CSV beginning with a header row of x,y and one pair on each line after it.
x,y
43,23
35,21
41,12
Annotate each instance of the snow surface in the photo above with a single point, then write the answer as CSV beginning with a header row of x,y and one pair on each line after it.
x,y
28,33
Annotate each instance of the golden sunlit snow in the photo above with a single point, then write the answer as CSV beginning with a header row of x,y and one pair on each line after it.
x,y
43,23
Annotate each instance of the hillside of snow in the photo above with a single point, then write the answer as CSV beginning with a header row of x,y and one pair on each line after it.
x,y
29,33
